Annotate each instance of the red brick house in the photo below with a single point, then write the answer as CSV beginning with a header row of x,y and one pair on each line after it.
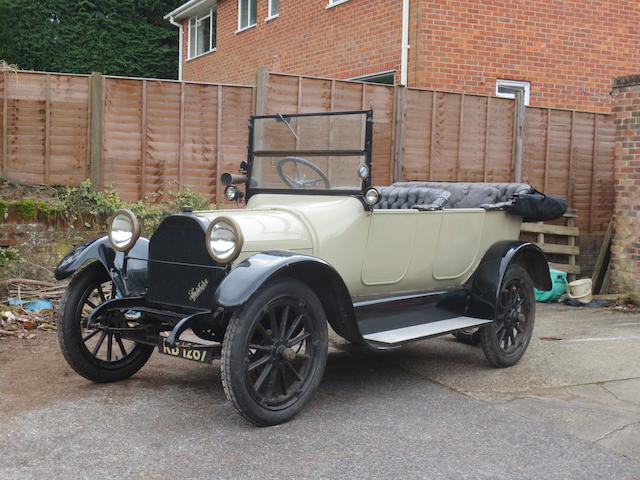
x,y
562,54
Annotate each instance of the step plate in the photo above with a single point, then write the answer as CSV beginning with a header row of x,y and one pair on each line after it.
x,y
415,332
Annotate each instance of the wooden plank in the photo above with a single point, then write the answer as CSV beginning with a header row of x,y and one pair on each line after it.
x,y
602,262
432,143
47,127
219,147
549,229
460,127
181,138
96,94
487,118
571,213
5,123
547,139
571,159
518,133
566,268
143,142
559,249
593,170
400,101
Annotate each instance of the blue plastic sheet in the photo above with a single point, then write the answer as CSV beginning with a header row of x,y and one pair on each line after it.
x,y
34,305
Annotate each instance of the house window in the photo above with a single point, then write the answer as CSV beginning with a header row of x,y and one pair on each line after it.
x,y
274,9
508,89
246,14
202,33
333,3
385,78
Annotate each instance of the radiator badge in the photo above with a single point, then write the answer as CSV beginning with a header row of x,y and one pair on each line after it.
x,y
196,291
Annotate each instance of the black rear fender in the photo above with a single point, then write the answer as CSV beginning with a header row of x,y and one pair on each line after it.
x,y
247,278
131,282
486,280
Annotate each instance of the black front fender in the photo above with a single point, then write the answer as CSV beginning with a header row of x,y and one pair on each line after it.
x,y
486,280
246,278
130,276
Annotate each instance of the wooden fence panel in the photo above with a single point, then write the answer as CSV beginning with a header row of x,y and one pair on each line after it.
x,y
295,94
122,136
457,137
159,135
570,153
162,136
44,128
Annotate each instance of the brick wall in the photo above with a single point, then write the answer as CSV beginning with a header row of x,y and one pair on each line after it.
x,y
625,248
41,245
355,38
568,49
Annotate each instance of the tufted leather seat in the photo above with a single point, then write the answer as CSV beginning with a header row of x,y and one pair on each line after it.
x,y
490,196
404,197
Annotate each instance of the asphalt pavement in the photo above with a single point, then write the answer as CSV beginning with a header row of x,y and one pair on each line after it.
x,y
371,419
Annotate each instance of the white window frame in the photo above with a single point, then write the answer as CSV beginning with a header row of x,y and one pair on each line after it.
x,y
526,86
247,27
374,76
335,3
212,32
272,15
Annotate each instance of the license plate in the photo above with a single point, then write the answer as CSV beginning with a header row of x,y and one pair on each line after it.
x,y
202,355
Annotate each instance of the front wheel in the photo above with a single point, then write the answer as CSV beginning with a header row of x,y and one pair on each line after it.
x,y
505,340
274,353
99,354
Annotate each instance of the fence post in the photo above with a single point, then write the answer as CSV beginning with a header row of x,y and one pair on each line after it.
x,y
400,92
260,95
518,131
5,125
95,129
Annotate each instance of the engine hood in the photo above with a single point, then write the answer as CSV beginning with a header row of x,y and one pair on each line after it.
x,y
266,229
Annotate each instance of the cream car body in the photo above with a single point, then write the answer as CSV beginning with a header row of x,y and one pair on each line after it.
x,y
376,252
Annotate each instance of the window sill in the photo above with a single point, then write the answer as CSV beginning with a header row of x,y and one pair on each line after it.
x,y
335,4
201,55
240,30
272,17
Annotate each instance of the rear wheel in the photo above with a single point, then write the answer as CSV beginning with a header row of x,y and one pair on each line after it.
x,y
98,354
274,353
505,341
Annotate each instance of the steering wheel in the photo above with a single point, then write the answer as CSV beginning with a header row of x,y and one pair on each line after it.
x,y
300,181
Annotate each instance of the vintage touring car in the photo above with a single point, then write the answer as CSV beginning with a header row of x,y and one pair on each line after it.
x,y
316,245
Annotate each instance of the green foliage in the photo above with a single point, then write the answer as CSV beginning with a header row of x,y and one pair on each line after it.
x,y
4,208
115,37
27,209
86,206
7,255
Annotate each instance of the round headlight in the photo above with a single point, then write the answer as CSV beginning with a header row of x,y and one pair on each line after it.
x,y
231,193
371,196
124,230
224,240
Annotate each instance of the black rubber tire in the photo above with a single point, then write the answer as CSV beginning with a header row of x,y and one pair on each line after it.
x,y
489,334
70,333
468,336
235,347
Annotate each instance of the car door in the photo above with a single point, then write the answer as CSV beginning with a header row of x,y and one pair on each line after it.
x,y
390,246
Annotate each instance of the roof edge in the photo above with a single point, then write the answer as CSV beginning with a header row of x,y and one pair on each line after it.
x,y
186,9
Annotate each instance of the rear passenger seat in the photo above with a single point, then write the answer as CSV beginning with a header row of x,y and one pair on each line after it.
x,y
438,195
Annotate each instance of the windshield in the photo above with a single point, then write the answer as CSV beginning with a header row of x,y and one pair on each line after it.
x,y
310,152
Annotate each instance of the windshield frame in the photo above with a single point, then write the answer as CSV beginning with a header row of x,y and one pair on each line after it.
x,y
366,153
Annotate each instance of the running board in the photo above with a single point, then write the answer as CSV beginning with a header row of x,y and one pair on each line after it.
x,y
415,332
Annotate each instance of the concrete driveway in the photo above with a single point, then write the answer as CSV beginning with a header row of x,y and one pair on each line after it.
x,y
435,409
